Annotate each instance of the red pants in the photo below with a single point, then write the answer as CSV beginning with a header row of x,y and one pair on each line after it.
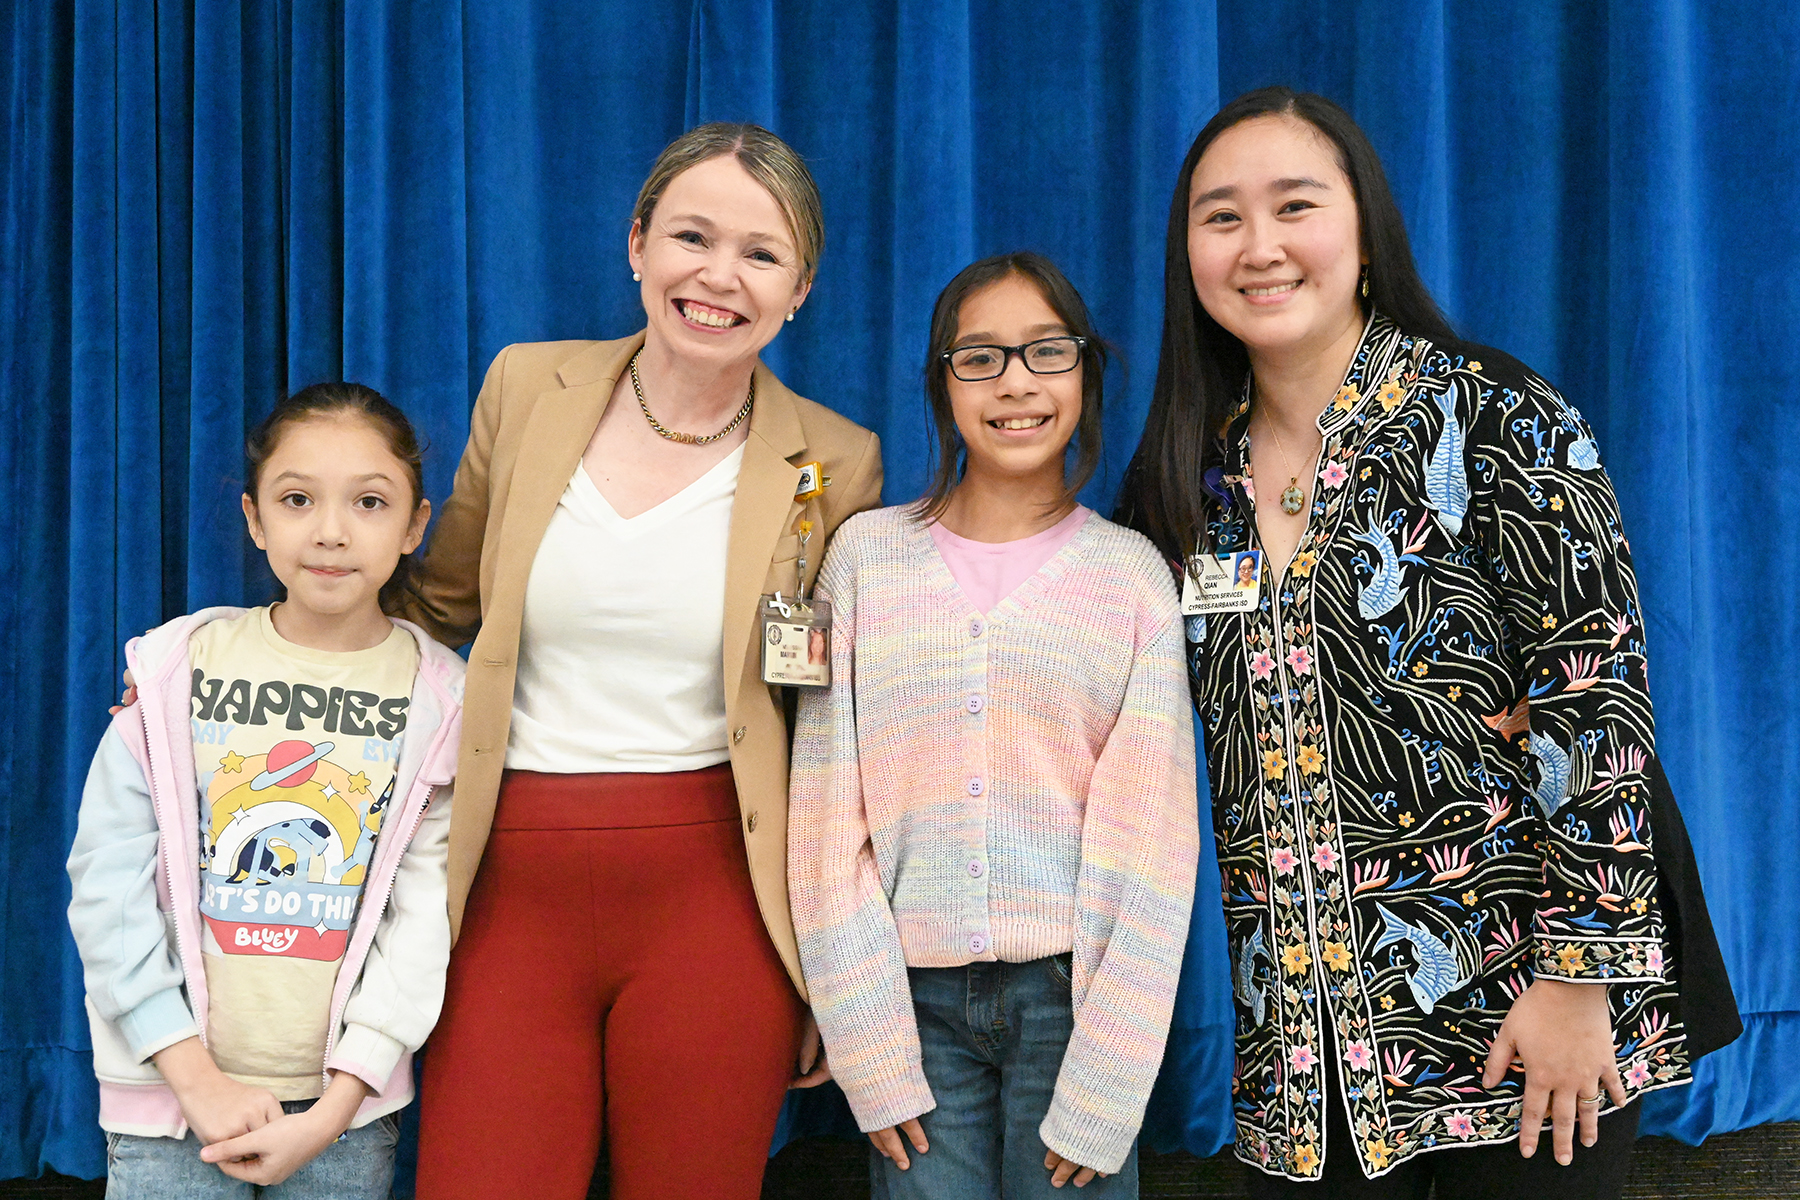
x,y
613,967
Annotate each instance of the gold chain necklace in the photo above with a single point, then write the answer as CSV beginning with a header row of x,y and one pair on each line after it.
x,y
689,439
1293,499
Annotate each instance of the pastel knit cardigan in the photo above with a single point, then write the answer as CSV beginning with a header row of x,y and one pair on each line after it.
x,y
1001,786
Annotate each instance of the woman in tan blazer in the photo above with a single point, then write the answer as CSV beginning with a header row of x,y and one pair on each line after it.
x,y
618,850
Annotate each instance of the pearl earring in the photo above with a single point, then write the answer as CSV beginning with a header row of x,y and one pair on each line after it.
x,y
790,316
636,278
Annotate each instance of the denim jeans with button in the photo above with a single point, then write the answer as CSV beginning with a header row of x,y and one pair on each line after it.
x,y
358,1167
993,1035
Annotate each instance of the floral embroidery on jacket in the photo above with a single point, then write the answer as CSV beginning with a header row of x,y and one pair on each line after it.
x,y
1427,750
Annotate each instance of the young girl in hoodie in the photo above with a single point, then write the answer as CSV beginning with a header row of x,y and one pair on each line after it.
x,y
258,869
992,831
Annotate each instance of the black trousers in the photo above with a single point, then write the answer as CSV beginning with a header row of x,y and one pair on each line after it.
x,y
1491,1172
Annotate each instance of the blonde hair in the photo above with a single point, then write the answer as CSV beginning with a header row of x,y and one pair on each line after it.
x,y
768,160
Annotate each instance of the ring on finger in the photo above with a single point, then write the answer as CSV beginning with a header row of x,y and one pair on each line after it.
x,y
1594,1099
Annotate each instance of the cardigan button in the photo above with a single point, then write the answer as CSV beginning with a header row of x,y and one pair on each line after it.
x,y
976,704
976,626
750,823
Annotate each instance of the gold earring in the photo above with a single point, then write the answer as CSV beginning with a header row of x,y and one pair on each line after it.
x,y
1365,281
637,278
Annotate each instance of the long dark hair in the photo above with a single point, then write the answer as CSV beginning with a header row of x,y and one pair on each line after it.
x,y
1201,370
330,399
946,316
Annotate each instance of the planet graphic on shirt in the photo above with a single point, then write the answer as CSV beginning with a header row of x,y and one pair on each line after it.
x,y
290,764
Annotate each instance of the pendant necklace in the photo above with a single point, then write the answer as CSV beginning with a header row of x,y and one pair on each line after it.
x,y
690,439
1292,498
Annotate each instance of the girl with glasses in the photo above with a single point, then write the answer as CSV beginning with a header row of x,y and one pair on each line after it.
x,y
992,828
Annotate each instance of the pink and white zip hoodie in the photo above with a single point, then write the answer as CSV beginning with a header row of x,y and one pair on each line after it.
x,y
135,910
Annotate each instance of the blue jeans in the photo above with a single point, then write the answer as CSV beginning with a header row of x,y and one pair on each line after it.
x,y
360,1167
993,1035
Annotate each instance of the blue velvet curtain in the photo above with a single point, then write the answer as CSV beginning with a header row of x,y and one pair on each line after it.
x,y
205,205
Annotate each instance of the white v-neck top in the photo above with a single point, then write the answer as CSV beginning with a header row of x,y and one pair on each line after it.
x,y
622,644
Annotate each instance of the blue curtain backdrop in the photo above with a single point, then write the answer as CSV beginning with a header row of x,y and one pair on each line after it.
x,y
206,205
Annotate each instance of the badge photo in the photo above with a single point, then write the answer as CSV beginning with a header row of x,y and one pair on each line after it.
x,y
1221,583
796,642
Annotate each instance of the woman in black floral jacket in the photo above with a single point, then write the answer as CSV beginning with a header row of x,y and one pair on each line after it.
x,y
1428,727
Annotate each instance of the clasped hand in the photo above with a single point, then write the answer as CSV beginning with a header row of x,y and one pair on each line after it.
x,y
242,1129
270,1153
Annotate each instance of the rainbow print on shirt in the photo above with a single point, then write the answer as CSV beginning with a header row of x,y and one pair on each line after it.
x,y
286,842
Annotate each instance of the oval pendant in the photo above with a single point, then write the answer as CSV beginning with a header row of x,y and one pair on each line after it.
x,y
1293,499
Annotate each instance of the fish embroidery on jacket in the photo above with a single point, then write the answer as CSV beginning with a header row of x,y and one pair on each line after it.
x,y
1249,990
1384,590
1437,972
1446,474
1584,454
1553,782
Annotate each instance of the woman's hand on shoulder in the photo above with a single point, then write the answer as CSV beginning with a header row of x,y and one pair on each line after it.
x,y
1562,1034
126,698
892,1146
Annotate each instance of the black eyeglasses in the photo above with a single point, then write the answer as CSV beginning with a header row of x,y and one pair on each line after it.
x,y
1046,356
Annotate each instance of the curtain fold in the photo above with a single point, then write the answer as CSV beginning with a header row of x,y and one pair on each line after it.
x,y
205,205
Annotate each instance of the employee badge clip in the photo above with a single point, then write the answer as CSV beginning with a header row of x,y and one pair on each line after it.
x,y
796,641
812,482
802,530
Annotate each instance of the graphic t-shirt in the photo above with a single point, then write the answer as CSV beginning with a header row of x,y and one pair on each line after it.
x,y
294,753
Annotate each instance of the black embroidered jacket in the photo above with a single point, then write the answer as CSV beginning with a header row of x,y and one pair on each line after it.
x,y
1427,748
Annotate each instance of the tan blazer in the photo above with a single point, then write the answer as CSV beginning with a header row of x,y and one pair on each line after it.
x,y
537,410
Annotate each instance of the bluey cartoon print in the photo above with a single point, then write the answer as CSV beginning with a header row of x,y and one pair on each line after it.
x,y
285,850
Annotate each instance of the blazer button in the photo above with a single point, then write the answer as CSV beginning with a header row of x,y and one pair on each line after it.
x,y
737,735
750,824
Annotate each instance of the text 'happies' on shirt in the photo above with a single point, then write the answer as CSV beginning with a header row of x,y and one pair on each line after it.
x,y
358,713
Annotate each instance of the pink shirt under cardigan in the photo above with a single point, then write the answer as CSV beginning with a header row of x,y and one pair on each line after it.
x,y
989,572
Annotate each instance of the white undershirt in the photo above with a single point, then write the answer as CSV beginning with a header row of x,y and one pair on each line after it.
x,y
622,644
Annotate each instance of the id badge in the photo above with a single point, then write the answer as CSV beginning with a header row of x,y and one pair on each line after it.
x,y
796,641
1221,583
